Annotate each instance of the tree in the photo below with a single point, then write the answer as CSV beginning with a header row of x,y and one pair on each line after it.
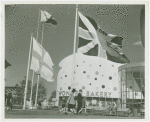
x,y
53,95
20,90
41,92
21,87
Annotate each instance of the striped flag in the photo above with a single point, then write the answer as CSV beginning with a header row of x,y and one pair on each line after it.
x,y
47,18
41,62
88,41
111,44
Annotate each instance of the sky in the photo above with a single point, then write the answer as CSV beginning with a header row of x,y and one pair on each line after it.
x,y
22,20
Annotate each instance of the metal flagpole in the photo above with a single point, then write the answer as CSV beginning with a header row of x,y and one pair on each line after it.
x,y
37,90
75,38
31,89
39,74
38,25
25,92
98,49
42,33
98,44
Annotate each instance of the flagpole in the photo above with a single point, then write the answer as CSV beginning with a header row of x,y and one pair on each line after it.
x,y
98,49
42,33
39,74
98,46
38,25
25,91
31,89
37,90
75,38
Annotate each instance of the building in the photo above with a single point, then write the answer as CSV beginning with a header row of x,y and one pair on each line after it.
x,y
132,85
103,81
96,76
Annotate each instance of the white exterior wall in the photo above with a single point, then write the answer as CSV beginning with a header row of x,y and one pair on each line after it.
x,y
92,70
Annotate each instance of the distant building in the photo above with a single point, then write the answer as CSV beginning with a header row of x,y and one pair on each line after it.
x,y
12,90
132,85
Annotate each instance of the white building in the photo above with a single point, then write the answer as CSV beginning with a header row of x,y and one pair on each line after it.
x,y
96,76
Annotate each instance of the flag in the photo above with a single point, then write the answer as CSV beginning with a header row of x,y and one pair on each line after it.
x,y
7,64
41,62
47,18
88,41
112,44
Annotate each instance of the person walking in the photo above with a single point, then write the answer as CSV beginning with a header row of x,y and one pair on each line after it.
x,y
71,101
83,105
63,103
9,101
6,100
79,100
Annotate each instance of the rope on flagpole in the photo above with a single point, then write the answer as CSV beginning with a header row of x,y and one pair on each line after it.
x,y
25,91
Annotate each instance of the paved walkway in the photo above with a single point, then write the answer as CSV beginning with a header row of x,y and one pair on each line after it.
x,y
49,114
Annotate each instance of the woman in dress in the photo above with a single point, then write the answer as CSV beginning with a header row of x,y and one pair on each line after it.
x,y
71,101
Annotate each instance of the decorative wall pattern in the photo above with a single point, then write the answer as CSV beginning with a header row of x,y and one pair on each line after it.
x,y
100,80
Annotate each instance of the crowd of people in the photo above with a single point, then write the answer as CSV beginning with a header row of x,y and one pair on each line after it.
x,y
77,106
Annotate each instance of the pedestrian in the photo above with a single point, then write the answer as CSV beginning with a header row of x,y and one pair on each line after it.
x,y
63,103
79,100
83,105
71,101
129,112
6,100
9,101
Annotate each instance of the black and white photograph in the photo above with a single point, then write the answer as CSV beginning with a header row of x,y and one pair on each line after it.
x,y
74,60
